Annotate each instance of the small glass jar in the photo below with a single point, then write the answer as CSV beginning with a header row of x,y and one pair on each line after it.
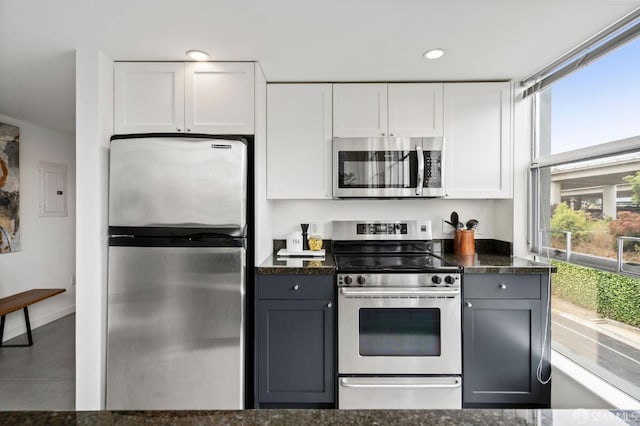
x,y
315,243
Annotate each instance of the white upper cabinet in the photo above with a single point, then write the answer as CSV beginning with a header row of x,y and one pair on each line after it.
x,y
360,109
381,109
219,97
415,109
299,141
193,97
478,140
149,97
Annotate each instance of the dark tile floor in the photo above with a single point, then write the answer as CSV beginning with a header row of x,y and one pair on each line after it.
x,y
40,377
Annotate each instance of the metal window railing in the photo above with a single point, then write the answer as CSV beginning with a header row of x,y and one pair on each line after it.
x,y
568,255
633,268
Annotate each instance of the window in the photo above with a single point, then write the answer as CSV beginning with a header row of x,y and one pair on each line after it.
x,y
586,211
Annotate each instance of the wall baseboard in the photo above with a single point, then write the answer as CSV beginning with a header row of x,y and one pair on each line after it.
x,y
16,331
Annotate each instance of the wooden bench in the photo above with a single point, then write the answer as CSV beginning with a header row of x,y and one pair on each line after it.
x,y
22,301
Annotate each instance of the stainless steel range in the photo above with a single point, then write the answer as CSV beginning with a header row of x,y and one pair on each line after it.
x,y
399,318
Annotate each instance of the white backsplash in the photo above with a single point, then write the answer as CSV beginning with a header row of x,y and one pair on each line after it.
x,y
287,215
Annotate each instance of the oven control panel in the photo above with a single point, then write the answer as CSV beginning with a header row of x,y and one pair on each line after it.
x,y
346,230
451,280
381,228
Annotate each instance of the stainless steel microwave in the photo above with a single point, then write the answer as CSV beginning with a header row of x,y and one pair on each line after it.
x,y
387,167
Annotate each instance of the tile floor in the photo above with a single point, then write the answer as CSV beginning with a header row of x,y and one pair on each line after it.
x,y
40,377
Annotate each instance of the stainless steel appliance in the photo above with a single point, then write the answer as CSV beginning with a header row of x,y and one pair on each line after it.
x,y
399,318
387,167
177,272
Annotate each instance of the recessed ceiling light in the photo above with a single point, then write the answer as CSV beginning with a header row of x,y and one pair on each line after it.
x,y
433,53
198,55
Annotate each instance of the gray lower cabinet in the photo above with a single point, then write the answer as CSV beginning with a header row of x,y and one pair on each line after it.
x,y
503,331
295,336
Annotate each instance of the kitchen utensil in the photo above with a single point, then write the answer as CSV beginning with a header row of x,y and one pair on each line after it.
x,y
460,225
454,219
472,224
305,240
464,242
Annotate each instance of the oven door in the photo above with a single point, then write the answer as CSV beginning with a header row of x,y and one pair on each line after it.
x,y
399,331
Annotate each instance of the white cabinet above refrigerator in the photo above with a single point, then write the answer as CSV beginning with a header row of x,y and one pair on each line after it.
x,y
192,97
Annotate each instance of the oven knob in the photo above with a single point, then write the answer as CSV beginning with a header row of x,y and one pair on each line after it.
x,y
449,279
361,280
348,280
436,279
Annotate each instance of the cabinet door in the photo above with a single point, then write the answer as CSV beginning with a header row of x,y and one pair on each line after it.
x,y
295,351
148,97
360,110
478,140
299,141
415,109
219,97
501,350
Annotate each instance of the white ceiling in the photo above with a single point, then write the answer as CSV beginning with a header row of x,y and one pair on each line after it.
x,y
293,40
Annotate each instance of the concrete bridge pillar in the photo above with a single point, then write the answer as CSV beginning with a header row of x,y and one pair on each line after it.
x,y
609,195
575,202
555,193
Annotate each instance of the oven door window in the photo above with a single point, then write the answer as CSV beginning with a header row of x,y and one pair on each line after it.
x,y
399,332
377,169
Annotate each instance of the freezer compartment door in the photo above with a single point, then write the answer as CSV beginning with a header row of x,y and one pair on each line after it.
x,y
175,328
176,181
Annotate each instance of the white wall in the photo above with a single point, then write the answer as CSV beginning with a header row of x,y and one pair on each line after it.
x,y
288,214
94,126
47,255
263,243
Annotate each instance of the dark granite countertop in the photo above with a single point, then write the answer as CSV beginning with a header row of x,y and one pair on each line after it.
x,y
476,264
494,417
497,264
275,265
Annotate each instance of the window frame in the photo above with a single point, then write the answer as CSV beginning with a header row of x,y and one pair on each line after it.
x,y
595,152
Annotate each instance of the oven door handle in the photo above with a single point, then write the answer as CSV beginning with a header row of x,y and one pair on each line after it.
x,y
420,176
353,383
398,291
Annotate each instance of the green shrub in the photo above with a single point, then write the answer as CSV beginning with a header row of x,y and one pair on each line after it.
x,y
566,219
612,295
634,181
575,284
619,297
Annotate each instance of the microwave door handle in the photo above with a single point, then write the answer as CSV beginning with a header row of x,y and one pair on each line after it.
x,y
420,177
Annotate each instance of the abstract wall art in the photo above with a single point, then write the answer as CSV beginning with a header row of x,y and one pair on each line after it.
x,y
9,188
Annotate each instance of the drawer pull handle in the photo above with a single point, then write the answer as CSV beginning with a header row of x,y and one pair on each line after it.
x,y
296,287
468,304
502,286
329,305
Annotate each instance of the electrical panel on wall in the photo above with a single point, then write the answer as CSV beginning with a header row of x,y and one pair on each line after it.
x,y
53,189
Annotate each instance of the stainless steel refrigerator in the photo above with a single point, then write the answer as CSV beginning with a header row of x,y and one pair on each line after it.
x,y
177,273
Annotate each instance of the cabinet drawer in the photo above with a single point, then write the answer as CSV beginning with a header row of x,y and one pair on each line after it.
x,y
502,286
295,287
